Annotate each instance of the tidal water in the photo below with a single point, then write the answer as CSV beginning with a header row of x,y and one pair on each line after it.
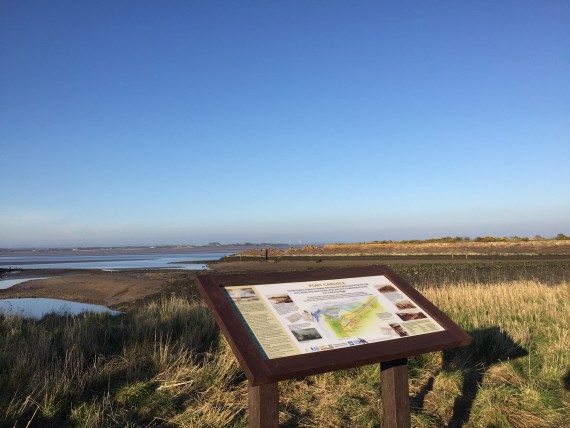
x,y
37,307
111,261
7,283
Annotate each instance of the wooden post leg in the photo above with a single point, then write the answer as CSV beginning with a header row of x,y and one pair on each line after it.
x,y
395,398
263,405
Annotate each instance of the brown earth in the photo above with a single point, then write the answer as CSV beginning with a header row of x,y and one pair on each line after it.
x,y
111,289
123,289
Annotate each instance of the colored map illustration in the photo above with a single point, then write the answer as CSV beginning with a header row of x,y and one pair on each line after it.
x,y
351,318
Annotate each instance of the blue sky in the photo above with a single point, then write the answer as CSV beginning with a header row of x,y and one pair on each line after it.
x,y
185,122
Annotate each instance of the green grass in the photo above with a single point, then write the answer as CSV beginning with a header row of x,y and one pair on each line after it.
x,y
165,364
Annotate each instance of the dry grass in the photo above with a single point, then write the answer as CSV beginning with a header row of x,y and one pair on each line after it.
x,y
165,365
519,356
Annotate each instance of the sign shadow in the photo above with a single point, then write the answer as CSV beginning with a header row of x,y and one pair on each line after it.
x,y
490,346
566,380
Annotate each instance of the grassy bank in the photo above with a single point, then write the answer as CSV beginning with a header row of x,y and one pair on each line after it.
x,y
164,364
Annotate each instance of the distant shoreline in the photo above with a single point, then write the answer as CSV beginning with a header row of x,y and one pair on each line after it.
x,y
51,262
101,251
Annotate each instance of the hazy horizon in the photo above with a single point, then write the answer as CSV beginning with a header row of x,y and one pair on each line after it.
x,y
213,244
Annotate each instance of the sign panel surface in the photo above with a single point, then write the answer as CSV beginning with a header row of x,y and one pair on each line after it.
x,y
286,325
295,318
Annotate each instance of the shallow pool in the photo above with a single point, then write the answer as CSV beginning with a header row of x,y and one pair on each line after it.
x,y
7,283
37,307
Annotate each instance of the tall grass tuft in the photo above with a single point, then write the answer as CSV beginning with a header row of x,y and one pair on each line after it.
x,y
101,370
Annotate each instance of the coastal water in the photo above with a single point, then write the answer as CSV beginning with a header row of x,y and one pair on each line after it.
x,y
7,283
37,307
189,261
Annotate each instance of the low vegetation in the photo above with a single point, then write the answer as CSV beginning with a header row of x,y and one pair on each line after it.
x,y
454,239
164,363
447,248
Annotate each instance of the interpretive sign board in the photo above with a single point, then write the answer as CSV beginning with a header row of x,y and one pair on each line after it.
x,y
286,325
313,316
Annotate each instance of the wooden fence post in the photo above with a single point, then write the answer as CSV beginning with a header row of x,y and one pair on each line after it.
x,y
395,397
263,405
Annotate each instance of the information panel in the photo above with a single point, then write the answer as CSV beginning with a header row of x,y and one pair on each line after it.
x,y
286,325
288,319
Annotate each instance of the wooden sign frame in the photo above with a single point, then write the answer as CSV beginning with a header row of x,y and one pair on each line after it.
x,y
261,370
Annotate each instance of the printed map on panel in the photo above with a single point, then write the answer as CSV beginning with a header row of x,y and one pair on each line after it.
x,y
351,318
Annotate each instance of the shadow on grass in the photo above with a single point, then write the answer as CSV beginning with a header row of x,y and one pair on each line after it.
x,y
566,380
294,417
489,346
